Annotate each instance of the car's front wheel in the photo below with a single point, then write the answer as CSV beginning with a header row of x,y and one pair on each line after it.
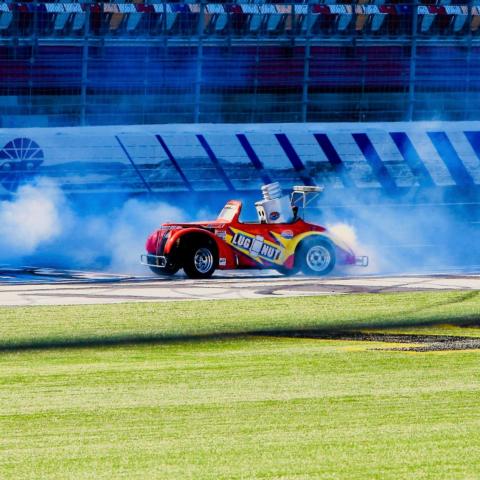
x,y
200,260
168,270
316,257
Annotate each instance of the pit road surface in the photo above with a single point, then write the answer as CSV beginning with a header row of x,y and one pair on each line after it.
x,y
50,287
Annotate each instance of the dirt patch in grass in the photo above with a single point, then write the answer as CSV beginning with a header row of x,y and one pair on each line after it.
x,y
426,343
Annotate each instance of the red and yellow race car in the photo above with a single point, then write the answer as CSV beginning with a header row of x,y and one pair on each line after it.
x,y
281,239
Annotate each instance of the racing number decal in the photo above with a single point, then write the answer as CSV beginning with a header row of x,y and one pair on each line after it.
x,y
255,246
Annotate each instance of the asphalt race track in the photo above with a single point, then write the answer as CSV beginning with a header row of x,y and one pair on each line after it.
x,y
31,286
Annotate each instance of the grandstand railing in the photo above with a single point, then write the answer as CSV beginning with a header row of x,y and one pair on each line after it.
x,y
69,63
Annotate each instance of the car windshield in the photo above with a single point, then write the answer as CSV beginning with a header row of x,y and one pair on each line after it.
x,y
228,212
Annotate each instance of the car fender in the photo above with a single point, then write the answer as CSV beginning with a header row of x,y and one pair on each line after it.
x,y
295,242
180,233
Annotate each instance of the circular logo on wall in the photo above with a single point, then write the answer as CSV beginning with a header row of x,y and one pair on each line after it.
x,y
19,162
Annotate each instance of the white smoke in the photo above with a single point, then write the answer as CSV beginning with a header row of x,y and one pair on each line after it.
x,y
31,220
348,234
40,224
130,228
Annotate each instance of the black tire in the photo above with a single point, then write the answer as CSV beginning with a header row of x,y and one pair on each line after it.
x,y
316,256
288,272
164,271
200,259
167,271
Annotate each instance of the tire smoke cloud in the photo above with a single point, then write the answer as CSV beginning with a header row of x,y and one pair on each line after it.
x,y
411,237
41,226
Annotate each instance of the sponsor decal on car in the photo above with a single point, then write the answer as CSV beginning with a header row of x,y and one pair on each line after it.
x,y
288,234
274,216
221,234
255,246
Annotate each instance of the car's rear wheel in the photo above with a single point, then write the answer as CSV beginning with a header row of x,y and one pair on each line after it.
x,y
288,272
200,260
316,257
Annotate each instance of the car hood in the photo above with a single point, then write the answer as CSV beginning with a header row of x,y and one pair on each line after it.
x,y
202,224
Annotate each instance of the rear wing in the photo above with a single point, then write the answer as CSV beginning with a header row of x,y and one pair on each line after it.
x,y
304,195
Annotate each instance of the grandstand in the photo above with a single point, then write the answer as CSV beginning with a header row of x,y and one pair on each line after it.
x,y
67,63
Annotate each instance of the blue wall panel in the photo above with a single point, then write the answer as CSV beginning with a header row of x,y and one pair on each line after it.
x,y
228,158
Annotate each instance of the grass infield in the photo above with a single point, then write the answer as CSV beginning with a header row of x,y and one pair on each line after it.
x,y
235,390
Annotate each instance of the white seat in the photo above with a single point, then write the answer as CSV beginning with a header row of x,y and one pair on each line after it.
x,y
221,23
133,21
5,18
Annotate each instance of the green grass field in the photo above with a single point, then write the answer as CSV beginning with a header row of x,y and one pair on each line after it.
x,y
226,390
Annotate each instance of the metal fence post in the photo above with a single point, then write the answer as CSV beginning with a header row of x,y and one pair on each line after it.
x,y
468,61
83,91
306,60
33,54
198,72
413,64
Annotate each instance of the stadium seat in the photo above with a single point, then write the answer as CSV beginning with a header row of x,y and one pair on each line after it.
x,y
460,16
126,9
404,16
95,19
392,21
171,17
114,16
237,18
24,17
61,15
133,20
256,19
427,16
444,20
78,16
217,17
6,16
156,25
345,16
327,21
362,15
475,19
274,19
378,19
301,15
285,12
183,24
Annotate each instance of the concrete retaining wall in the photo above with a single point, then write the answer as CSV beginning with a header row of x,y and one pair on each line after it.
x,y
210,158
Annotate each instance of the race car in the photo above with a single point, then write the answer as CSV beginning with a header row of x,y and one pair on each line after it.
x,y
281,239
